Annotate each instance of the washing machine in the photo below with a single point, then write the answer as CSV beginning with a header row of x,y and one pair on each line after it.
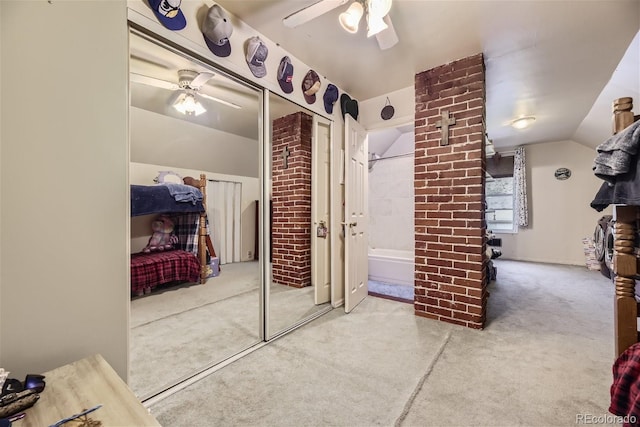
x,y
603,239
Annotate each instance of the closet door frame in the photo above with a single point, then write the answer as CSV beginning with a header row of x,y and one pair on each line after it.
x,y
264,163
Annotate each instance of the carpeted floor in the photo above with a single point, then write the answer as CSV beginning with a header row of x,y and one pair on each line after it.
x,y
544,359
180,329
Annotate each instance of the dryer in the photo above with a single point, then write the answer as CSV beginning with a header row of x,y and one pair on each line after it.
x,y
603,239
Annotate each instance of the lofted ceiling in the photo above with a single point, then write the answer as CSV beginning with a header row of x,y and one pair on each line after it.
x,y
552,59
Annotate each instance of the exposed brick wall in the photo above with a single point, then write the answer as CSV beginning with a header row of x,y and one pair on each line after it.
x,y
291,195
450,238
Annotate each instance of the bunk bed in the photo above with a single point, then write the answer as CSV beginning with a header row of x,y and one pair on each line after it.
x,y
618,164
148,270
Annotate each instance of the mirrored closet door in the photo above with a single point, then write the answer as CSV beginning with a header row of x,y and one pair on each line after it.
x,y
188,118
299,150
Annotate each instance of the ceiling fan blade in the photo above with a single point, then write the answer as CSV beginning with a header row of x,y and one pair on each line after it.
x,y
387,38
221,101
200,79
152,81
311,12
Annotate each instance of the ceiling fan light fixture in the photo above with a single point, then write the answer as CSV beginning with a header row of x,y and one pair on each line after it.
x,y
350,19
379,8
187,104
375,24
523,122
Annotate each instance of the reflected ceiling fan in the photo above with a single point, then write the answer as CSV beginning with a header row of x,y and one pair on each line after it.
x,y
190,84
376,13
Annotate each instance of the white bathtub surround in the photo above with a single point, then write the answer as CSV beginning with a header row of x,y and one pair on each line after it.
x,y
391,266
391,201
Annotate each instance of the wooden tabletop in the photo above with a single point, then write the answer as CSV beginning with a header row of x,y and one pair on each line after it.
x,y
81,385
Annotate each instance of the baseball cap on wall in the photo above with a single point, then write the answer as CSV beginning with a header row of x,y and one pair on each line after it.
x,y
348,106
310,85
330,97
285,75
168,13
257,53
216,29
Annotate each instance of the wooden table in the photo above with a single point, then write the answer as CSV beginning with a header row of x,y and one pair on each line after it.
x,y
82,385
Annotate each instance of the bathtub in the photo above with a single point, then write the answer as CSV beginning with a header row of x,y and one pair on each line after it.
x,y
391,266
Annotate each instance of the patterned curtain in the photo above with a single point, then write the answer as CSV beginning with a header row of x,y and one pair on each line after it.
x,y
520,182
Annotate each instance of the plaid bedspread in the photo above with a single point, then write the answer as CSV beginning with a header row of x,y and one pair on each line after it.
x,y
186,228
153,269
625,390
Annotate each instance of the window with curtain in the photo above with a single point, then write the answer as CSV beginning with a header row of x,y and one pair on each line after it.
x,y
505,192
499,194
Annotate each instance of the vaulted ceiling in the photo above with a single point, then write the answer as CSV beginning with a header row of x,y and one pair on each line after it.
x,y
551,59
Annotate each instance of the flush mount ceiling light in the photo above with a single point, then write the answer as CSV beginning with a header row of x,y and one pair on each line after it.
x,y
187,104
523,122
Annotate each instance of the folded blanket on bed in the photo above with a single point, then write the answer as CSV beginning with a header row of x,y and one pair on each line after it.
x,y
184,193
156,199
616,155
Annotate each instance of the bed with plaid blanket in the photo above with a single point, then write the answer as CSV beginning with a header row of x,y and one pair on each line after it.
x,y
156,268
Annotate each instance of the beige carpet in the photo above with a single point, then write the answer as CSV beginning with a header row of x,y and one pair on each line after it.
x,y
178,330
544,359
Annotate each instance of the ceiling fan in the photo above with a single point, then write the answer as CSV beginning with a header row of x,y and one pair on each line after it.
x,y
190,84
376,12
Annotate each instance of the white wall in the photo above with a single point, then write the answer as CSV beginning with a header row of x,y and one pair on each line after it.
x,y
143,174
1,62
156,137
559,211
560,215
391,200
403,102
64,205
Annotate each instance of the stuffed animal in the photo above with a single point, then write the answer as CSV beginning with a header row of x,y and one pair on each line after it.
x,y
163,237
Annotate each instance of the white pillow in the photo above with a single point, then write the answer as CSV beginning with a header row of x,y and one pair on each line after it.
x,y
168,177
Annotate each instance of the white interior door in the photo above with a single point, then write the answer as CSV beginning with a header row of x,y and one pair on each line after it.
x,y
355,213
321,210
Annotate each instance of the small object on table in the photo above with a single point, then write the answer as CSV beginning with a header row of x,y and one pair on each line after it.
x,y
84,422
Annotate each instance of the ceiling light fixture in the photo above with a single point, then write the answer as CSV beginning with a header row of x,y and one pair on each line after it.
x,y
187,104
376,10
351,18
379,8
375,24
523,122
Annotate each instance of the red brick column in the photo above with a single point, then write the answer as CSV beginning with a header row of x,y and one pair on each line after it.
x,y
449,194
291,195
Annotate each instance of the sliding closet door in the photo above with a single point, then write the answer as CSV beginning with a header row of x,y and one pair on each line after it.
x,y
180,329
291,288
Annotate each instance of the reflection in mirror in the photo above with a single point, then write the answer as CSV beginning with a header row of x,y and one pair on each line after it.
x,y
300,273
191,119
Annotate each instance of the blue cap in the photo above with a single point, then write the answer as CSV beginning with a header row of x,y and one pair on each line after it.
x,y
168,13
285,75
330,97
216,29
